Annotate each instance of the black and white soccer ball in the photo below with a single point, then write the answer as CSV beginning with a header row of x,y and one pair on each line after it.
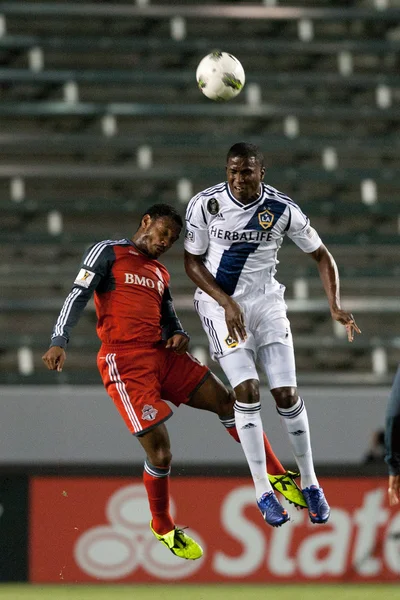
x,y
220,76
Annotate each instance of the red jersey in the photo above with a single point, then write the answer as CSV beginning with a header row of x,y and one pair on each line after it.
x,y
131,294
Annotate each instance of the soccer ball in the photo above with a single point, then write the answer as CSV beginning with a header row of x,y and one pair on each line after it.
x,y
220,76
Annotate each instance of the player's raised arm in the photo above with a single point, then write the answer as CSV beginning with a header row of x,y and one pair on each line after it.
x,y
329,274
307,238
93,267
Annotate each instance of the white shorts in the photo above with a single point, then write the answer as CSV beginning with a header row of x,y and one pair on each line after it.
x,y
265,321
269,340
276,360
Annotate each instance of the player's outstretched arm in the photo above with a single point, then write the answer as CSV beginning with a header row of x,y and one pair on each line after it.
x,y
93,266
55,358
329,274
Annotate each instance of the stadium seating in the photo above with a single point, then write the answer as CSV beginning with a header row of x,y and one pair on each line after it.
x,y
101,117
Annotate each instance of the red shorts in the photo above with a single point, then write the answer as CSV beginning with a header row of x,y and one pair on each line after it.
x,y
140,379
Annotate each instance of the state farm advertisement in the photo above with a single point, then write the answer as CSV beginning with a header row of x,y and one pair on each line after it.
x,y
97,530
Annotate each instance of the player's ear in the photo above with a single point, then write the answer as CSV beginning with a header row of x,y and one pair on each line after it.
x,y
262,173
146,220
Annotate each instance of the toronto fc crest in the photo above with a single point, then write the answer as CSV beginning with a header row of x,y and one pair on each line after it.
x,y
149,412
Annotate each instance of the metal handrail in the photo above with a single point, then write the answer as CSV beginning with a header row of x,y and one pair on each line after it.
x,y
206,11
204,108
174,77
124,43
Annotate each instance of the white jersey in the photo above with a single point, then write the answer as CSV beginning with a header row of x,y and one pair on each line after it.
x,y
240,242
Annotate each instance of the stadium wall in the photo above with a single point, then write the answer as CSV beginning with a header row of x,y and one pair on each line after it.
x,y
67,425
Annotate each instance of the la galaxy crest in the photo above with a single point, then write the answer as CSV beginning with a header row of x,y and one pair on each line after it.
x,y
230,342
213,206
266,218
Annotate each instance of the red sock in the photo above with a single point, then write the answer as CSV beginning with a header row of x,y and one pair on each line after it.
x,y
157,489
274,465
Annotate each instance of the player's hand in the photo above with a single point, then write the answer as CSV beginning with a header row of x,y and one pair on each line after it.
x,y
54,358
234,318
178,343
346,319
394,489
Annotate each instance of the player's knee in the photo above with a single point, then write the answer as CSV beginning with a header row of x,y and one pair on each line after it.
x,y
285,397
160,457
248,391
226,402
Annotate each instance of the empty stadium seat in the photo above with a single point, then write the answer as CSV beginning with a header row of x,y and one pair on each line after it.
x,y
101,117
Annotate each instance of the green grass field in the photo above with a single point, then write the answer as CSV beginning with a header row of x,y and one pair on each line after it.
x,y
201,592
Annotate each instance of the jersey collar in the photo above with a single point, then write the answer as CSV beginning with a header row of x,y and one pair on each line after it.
x,y
140,252
244,206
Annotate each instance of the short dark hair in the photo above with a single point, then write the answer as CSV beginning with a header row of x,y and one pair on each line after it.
x,y
157,211
246,150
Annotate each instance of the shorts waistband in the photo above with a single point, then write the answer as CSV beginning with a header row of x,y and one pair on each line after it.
x,y
128,346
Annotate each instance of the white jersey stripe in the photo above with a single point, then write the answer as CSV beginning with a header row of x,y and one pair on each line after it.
x,y
98,249
93,251
124,394
155,473
66,309
119,384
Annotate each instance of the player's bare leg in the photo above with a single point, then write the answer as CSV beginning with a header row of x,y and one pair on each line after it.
x,y
156,475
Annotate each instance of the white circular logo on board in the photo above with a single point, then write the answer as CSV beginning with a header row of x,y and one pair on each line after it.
x,y
114,551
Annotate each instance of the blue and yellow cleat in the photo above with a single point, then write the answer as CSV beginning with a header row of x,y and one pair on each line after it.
x,y
318,508
272,510
285,485
180,544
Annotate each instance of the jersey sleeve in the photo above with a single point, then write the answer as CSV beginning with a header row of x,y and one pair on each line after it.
x,y
196,234
392,428
170,322
94,266
300,231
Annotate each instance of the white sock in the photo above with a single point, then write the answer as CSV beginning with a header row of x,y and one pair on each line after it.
x,y
295,420
250,432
